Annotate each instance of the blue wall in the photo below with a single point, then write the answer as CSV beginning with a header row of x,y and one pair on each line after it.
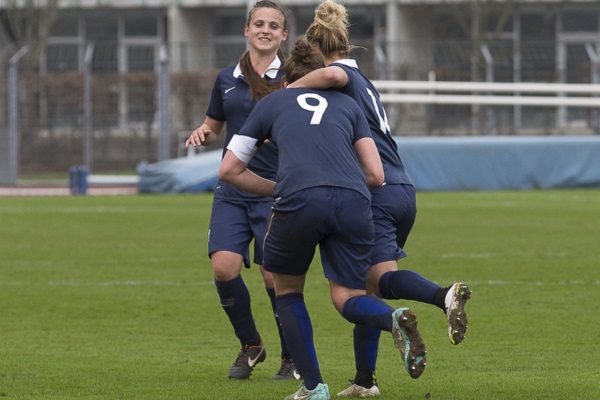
x,y
435,164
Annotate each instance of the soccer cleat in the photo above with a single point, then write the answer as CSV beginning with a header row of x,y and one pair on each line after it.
x,y
246,360
359,391
321,392
457,296
408,340
287,371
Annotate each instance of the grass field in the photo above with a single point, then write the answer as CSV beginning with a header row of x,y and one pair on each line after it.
x,y
112,298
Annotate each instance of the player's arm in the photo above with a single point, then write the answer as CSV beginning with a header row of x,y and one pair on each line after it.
x,y
205,134
322,78
234,169
369,159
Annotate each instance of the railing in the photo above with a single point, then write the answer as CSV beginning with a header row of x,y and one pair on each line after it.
x,y
559,96
517,88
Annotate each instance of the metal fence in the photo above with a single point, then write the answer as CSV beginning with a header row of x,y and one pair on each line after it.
x,y
84,112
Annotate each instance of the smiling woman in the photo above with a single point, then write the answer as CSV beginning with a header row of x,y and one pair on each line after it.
x,y
238,217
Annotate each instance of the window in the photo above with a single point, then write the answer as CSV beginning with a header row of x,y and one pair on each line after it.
x,y
141,23
101,25
230,22
65,25
140,58
62,57
580,21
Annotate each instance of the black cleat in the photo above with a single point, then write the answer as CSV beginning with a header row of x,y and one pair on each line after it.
x,y
246,360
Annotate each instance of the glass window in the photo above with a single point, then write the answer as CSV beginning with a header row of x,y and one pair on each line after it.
x,y
502,53
65,25
538,61
140,58
451,25
499,22
60,58
538,26
580,21
361,22
105,57
230,22
141,23
101,25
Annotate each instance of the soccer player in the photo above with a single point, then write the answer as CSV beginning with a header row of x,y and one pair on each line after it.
x,y
394,204
238,217
327,163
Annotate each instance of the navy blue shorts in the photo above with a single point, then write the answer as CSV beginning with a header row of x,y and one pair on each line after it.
x,y
394,213
233,225
338,220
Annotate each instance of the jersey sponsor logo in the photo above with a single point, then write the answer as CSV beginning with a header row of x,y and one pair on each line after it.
x,y
229,90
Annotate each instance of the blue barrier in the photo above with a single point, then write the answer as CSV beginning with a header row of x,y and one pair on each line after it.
x,y
434,164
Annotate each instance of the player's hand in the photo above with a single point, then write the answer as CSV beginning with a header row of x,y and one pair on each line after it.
x,y
198,137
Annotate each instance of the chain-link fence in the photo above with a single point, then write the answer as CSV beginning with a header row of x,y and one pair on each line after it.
x,y
109,117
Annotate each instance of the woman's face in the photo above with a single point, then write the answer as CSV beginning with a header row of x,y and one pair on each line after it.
x,y
265,32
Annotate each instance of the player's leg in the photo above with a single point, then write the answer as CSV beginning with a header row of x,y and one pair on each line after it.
x,y
394,213
229,237
258,214
346,257
295,229
372,311
298,331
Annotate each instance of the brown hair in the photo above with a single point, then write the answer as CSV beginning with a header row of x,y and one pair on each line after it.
x,y
329,29
305,57
259,86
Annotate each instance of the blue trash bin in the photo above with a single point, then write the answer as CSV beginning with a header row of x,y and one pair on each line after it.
x,y
78,180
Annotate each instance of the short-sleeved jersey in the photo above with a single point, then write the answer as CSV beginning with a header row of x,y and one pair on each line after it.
x,y
315,131
367,97
230,102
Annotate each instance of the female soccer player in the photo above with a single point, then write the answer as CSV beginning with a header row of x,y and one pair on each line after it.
x,y
394,204
327,163
237,216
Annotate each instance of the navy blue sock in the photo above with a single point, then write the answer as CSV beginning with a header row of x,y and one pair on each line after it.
x,y
366,345
235,300
407,285
285,354
298,333
370,311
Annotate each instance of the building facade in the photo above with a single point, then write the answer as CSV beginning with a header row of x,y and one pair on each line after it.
x,y
121,46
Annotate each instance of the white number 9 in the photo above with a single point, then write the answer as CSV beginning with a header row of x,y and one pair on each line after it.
x,y
318,110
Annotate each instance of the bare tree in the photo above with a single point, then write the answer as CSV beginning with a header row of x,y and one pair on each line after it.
x,y
22,23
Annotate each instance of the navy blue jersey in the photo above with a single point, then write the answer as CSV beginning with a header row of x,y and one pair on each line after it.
x,y
314,131
230,102
367,97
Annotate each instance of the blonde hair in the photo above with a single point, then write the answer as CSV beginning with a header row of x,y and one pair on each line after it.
x,y
329,29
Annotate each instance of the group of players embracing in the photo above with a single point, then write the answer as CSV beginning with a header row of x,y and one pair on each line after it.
x,y
309,160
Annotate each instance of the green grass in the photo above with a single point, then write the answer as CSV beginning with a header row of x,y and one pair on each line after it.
x,y
112,298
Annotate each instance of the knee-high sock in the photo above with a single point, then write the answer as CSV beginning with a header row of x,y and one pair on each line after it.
x,y
370,311
366,345
235,300
298,333
408,285
285,354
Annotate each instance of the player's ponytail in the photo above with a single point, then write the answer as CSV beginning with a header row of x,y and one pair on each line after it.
x,y
329,29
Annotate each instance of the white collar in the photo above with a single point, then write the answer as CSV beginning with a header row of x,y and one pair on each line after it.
x,y
347,61
271,71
